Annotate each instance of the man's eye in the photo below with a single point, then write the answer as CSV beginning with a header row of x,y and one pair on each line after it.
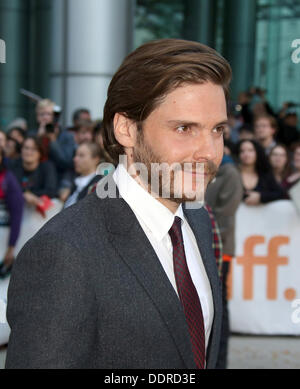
x,y
219,129
182,129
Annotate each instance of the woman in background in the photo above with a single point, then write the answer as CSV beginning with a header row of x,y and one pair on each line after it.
x,y
35,177
259,184
280,164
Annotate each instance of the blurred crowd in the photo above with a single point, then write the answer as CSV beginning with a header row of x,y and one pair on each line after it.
x,y
261,164
262,157
46,162
265,145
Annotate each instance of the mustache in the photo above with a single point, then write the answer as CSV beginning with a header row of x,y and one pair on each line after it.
x,y
208,167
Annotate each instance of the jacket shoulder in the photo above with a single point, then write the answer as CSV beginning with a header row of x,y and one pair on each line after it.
x,y
74,226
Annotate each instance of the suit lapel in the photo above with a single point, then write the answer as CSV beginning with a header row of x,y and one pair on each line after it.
x,y
134,248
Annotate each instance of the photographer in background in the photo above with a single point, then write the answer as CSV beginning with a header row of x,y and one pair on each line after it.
x,y
58,146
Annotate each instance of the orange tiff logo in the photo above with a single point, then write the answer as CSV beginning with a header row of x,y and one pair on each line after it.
x,y
272,260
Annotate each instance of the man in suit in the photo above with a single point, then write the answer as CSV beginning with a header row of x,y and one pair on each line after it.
x,y
127,277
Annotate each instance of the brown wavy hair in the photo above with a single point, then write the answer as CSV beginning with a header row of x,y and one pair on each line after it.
x,y
152,71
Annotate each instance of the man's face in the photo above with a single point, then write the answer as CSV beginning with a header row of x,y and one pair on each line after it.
x,y
186,128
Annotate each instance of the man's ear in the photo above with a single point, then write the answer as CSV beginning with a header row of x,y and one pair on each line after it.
x,y
125,130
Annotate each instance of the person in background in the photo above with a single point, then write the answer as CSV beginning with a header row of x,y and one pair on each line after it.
x,y
3,139
234,122
265,128
83,132
79,115
35,177
280,163
253,103
288,120
224,194
12,149
246,132
58,146
3,144
44,115
11,206
294,177
18,134
86,160
244,99
259,183
229,145
20,123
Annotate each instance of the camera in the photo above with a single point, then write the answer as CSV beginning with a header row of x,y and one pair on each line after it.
x,y
50,128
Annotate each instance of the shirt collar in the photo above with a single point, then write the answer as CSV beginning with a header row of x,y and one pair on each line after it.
x,y
82,181
157,218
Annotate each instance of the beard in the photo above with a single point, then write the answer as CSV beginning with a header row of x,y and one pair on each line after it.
x,y
175,181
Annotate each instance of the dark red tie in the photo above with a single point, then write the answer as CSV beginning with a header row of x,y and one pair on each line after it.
x,y
188,295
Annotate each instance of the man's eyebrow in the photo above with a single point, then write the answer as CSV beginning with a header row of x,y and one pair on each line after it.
x,y
189,123
185,122
223,122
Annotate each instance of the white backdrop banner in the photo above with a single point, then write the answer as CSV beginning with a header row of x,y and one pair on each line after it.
x,y
264,282
31,223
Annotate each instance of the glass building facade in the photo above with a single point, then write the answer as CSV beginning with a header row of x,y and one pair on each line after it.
x,y
256,36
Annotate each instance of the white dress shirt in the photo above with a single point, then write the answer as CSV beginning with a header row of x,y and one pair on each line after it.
x,y
156,221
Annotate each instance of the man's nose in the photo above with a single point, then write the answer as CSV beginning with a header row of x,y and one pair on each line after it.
x,y
205,147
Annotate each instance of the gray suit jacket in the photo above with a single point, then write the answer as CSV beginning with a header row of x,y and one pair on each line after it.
x,y
88,291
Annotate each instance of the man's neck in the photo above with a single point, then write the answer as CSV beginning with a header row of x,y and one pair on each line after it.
x,y
171,205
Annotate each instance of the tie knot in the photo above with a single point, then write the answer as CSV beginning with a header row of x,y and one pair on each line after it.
x,y
175,231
